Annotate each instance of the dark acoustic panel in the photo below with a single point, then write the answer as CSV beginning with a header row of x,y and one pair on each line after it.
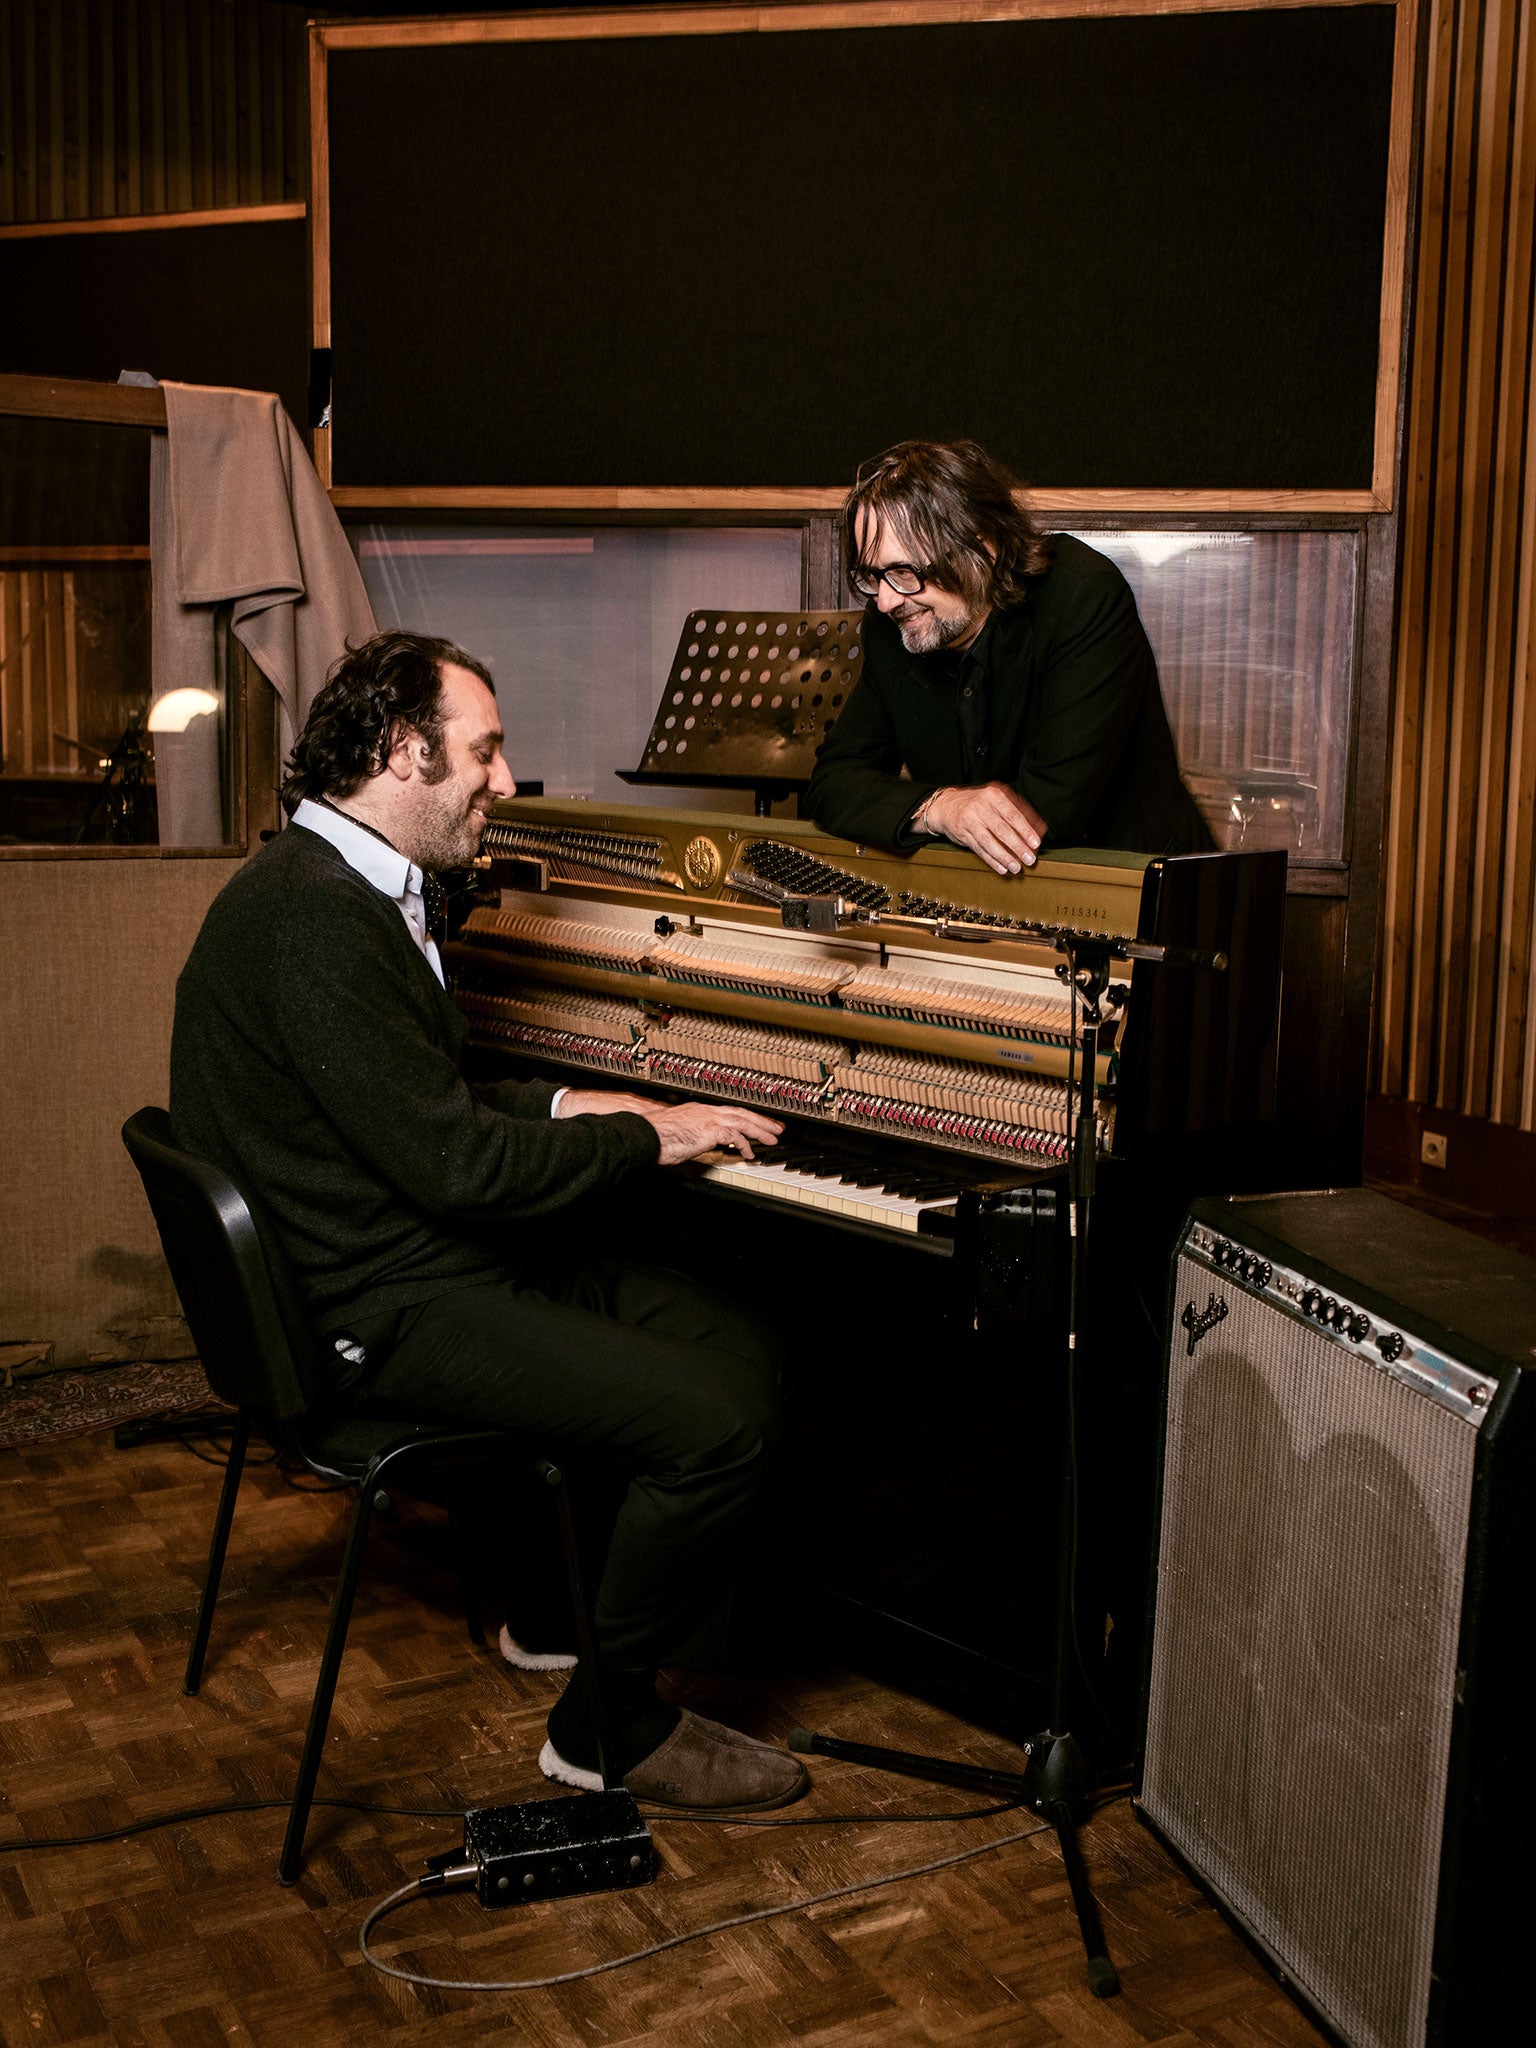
x,y
1119,252
1337,1714
72,484
204,305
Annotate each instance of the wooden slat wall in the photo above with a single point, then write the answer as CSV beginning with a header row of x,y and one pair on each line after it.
x,y
1456,1006
74,659
111,107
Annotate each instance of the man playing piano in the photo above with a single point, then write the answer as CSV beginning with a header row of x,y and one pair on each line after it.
x,y
437,1229
1009,698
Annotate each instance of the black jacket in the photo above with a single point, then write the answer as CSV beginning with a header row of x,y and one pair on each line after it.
x,y
315,1056
1076,723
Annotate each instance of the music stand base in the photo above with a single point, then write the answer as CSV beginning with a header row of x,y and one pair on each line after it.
x,y
1053,1784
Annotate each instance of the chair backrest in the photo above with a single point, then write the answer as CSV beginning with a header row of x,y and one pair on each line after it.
x,y
237,1291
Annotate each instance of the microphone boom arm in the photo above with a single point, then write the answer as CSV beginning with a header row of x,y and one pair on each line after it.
x,y
836,913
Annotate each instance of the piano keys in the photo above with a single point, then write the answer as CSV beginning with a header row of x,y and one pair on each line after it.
x,y
880,1201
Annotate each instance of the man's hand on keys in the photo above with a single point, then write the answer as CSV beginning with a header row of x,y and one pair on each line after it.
x,y
993,821
687,1130
691,1129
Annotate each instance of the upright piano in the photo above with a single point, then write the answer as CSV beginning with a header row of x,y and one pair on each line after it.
x,y
922,1049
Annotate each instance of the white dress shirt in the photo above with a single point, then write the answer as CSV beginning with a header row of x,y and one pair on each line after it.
x,y
390,873
379,863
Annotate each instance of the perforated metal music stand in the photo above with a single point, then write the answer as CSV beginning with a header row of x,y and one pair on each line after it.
x,y
749,698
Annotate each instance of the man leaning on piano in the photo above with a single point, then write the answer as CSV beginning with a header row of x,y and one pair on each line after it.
x,y
1009,696
440,1231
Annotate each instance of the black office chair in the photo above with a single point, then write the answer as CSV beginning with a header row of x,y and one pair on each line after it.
x,y
244,1311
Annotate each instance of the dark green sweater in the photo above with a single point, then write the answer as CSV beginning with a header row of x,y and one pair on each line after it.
x,y
316,1057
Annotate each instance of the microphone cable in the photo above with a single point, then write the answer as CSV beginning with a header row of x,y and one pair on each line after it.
x,y
436,1881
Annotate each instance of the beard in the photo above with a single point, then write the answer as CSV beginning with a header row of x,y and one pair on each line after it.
x,y
926,633
449,828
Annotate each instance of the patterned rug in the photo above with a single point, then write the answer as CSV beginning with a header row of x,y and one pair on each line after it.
x,y
65,1404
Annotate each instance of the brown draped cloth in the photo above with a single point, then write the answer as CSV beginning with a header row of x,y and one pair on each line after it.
x,y
238,519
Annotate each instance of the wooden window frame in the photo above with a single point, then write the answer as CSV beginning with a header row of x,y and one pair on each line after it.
x,y
254,753
151,223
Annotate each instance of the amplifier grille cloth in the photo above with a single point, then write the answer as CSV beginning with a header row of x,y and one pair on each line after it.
x,y
1309,1598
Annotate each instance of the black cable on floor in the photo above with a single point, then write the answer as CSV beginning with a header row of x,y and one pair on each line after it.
x,y
171,1820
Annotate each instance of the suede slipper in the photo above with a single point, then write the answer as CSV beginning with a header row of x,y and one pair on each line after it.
x,y
703,1765
533,1660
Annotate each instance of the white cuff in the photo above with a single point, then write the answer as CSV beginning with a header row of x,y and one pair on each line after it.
x,y
556,1099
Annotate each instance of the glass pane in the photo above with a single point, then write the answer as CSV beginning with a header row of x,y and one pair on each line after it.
x,y
1254,636
578,628
78,743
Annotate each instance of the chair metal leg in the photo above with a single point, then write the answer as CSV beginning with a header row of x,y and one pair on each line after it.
x,y
222,1523
292,1858
586,1641
469,1577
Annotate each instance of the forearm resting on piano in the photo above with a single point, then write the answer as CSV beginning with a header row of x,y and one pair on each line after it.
x,y
993,821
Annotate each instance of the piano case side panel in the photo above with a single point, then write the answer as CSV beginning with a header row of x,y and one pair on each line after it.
x,y
1200,1059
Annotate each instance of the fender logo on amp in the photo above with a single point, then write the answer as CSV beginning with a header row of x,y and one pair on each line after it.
x,y
1199,1324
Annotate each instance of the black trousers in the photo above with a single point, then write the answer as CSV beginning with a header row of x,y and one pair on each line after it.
x,y
635,1370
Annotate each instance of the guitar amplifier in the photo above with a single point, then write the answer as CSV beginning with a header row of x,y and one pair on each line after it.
x,y
1337,1737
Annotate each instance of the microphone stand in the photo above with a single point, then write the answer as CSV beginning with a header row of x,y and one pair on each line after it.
x,y
121,791
1055,1781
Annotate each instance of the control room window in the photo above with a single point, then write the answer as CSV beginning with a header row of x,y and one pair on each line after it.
x,y
1254,635
87,759
578,627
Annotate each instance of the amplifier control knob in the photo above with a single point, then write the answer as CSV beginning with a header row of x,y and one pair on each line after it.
x,y
1339,1315
1311,1301
1360,1328
1390,1344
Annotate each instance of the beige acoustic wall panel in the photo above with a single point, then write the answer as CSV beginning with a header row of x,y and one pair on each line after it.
x,y
93,949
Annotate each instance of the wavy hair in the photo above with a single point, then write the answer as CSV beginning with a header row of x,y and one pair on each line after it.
x,y
391,683
948,501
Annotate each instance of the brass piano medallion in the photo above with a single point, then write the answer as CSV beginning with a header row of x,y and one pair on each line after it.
x,y
702,863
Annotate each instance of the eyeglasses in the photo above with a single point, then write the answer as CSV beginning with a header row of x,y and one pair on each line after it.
x,y
903,577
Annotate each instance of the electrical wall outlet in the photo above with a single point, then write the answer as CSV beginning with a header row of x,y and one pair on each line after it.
x,y
1433,1147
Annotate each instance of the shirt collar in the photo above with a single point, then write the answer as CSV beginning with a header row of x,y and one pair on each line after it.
x,y
979,654
955,665
363,850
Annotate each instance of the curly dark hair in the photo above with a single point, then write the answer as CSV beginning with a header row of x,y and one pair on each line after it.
x,y
390,682
946,499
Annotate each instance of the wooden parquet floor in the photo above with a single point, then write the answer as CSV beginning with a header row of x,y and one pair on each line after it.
x,y
183,1939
